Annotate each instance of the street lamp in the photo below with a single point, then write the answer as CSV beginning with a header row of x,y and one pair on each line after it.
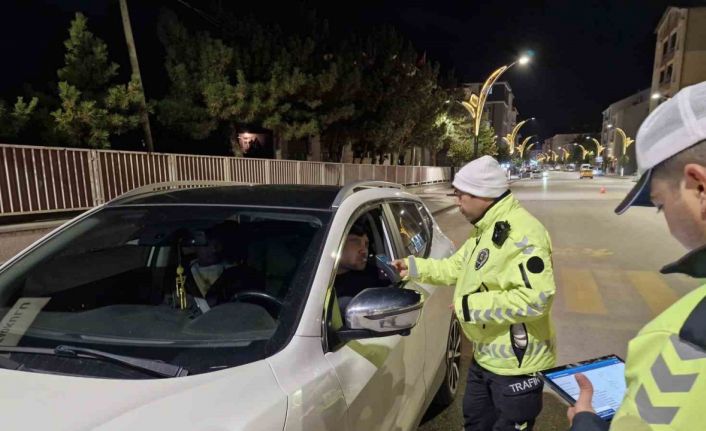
x,y
510,139
476,102
627,141
523,147
584,152
554,155
599,147
659,96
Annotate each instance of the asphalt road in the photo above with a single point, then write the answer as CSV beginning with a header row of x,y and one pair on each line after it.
x,y
606,269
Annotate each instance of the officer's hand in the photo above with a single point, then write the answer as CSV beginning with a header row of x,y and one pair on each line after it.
x,y
583,404
400,266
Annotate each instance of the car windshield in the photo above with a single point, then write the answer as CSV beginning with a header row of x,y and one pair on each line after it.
x,y
204,288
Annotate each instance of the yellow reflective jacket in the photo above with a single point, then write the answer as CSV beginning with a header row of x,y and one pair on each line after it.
x,y
665,370
502,291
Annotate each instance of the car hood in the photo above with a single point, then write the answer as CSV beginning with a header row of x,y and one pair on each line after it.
x,y
241,398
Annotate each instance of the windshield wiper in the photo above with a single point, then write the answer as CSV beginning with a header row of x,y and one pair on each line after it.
x,y
154,367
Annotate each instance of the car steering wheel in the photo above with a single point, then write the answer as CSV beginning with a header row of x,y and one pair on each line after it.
x,y
272,304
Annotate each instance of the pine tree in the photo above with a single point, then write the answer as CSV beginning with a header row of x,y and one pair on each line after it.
x,y
86,63
90,110
14,121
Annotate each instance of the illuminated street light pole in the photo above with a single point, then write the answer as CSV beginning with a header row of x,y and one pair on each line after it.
x,y
599,150
584,152
627,141
476,103
523,147
554,155
512,137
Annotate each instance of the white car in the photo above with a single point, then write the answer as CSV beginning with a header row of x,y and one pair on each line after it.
x,y
103,327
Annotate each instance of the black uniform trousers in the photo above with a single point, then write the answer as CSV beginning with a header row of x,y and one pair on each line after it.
x,y
497,403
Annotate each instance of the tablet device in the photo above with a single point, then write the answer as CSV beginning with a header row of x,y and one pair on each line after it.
x,y
607,374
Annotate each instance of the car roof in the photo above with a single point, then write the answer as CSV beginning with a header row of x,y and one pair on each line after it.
x,y
294,196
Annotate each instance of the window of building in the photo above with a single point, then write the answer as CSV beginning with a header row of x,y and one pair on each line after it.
x,y
673,42
661,76
668,77
664,48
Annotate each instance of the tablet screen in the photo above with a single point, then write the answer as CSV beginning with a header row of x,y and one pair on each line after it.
x,y
607,376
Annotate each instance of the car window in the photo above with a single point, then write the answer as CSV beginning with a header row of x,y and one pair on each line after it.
x,y
357,268
413,227
366,237
200,287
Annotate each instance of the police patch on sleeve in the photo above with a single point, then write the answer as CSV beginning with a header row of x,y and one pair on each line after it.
x,y
535,265
482,258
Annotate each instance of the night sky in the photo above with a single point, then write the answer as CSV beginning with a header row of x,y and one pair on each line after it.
x,y
589,53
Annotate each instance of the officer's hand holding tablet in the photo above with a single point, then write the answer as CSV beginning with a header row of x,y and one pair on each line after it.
x,y
601,389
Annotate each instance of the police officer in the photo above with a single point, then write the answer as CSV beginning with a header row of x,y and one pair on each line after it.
x,y
666,362
503,297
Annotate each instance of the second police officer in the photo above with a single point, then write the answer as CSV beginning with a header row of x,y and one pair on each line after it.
x,y
504,288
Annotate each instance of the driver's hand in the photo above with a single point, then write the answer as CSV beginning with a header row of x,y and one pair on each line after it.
x,y
400,266
583,403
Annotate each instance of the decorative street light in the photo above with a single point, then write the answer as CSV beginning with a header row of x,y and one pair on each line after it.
x,y
510,138
584,152
599,147
476,102
627,141
523,147
554,155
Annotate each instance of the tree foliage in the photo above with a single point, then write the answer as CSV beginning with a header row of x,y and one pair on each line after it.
x,y
15,120
371,90
91,110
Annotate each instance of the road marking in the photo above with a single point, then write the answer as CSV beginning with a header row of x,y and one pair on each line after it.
x,y
580,292
653,289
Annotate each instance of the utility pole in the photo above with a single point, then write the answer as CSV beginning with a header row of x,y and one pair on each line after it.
x,y
144,116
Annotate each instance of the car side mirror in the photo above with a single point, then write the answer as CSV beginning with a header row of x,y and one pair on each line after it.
x,y
381,312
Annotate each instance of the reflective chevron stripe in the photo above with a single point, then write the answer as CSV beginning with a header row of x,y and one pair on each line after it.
x,y
650,413
503,351
686,351
668,382
498,314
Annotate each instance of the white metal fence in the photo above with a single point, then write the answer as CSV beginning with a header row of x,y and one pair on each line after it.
x,y
47,179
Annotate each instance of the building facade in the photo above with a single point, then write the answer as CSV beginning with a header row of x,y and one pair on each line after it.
x,y
626,114
680,52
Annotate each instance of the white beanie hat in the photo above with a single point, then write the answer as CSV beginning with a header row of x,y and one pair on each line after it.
x,y
482,177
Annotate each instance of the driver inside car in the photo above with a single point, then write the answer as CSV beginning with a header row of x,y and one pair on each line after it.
x,y
220,270
355,273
